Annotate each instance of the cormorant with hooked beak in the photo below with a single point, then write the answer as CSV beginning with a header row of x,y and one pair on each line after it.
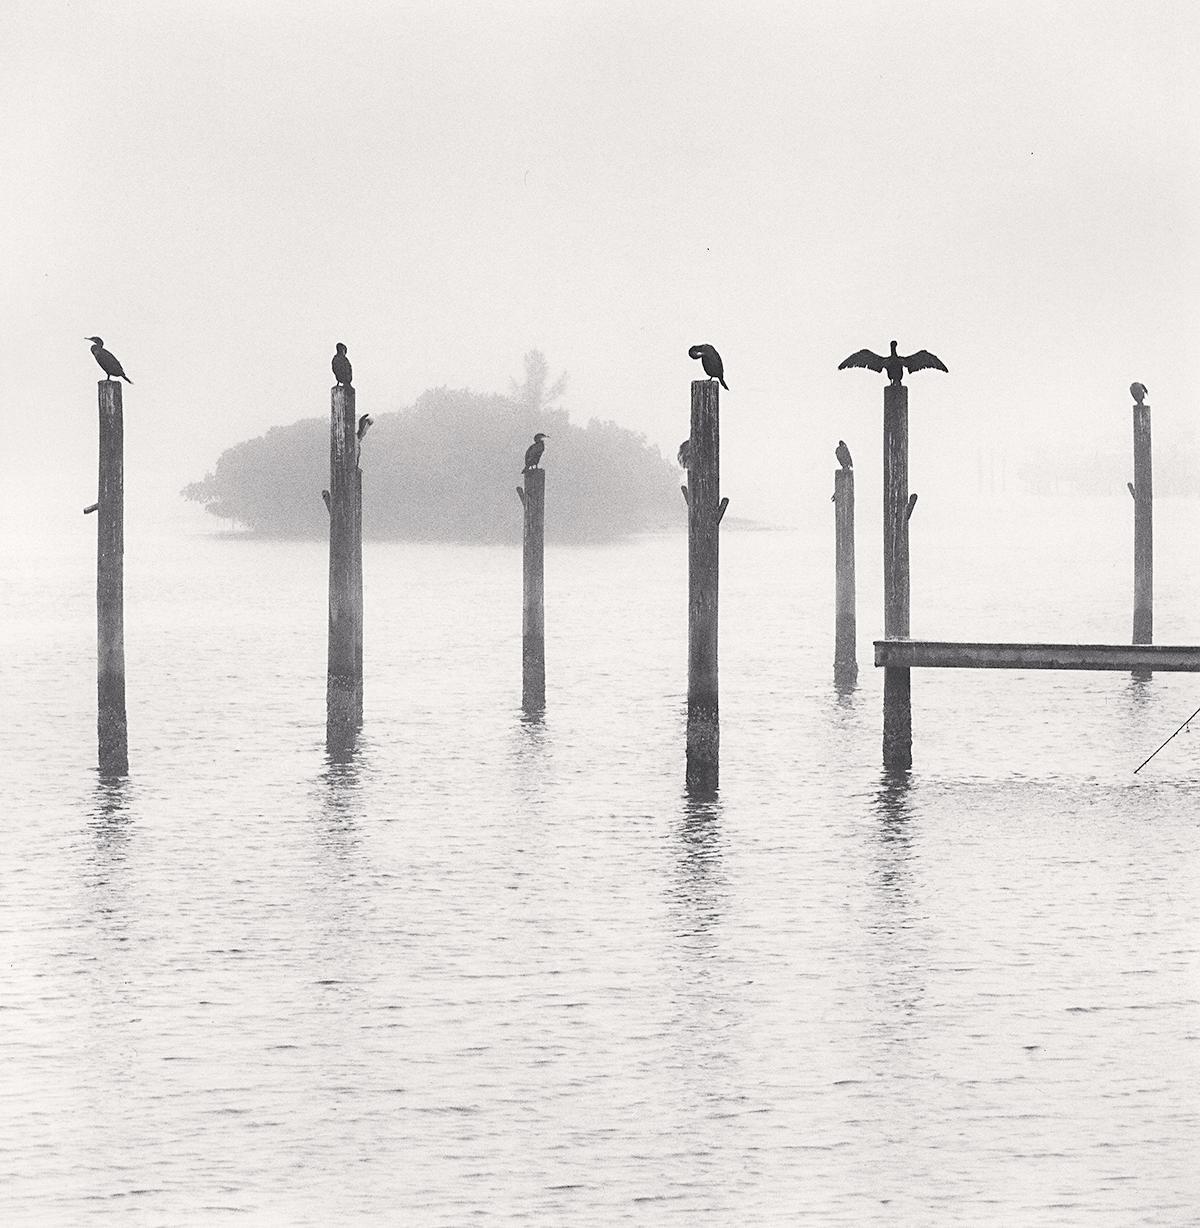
x,y
533,453
710,360
342,371
108,364
894,364
843,455
1139,392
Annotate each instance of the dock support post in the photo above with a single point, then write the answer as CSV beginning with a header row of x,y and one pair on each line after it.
x,y
1143,528
111,726
897,693
704,516
358,596
343,693
533,603
845,657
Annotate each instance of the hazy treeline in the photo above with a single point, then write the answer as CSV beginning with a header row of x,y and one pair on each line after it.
x,y
447,469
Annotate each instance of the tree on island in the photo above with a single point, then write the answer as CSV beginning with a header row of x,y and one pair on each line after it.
x,y
447,468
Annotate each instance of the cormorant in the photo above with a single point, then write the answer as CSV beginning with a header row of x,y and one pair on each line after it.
x,y
364,424
843,455
710,360
1139,393
684,455
894,364
342,371
533,453
108,364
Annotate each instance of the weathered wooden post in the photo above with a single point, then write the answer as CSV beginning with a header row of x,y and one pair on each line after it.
x,y
1143,525
845,658
897,693
533,609
358,596
111,726
705,509
344,684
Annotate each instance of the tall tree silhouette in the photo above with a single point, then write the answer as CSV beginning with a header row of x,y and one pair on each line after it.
x,y
534,398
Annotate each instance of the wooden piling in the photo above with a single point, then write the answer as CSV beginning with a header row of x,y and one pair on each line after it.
x,y
845,658
533,607
358,597
111,726
1143,528
705,509
343,694
897,694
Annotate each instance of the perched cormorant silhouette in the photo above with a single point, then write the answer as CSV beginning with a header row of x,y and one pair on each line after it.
x,y
342,371
533,453
710,360
894,364
108,364
364,425
843,455
684,455
1139,392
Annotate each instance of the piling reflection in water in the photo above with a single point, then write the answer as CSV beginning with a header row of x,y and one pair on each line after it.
x,y
341,789
700,884
845,684
110,802
899,973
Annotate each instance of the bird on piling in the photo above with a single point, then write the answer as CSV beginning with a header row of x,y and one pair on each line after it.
x,y
364,425
1139,392
710,360
342,371
108,364
533,453
843,455
894,364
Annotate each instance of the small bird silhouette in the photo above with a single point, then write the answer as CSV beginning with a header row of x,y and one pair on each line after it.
x,y
108,364
684,455
533,453
342,371
1139,392
710,360
843,455
894,364
364,425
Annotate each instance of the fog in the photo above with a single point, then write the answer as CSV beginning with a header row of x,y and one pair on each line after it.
x,y
222,191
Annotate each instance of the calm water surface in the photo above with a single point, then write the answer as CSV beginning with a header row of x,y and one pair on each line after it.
x,y
505,969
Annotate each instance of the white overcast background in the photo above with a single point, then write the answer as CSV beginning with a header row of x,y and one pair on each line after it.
x,y
224,190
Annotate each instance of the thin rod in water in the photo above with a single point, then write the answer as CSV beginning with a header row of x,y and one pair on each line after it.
x,y
1181,728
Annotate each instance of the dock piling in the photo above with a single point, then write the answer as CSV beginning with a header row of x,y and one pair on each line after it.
x,y
111,725
845,658
705,509
1143,528
897,694
533,604
343,694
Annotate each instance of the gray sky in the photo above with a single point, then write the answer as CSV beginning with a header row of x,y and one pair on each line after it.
x,y
223,190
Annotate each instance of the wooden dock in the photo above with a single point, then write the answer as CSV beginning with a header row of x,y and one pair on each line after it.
x,y
950,654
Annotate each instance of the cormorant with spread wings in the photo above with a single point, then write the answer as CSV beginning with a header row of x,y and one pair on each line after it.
x,y
894,364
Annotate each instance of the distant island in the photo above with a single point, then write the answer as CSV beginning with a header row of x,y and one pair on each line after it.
x,y
447,469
